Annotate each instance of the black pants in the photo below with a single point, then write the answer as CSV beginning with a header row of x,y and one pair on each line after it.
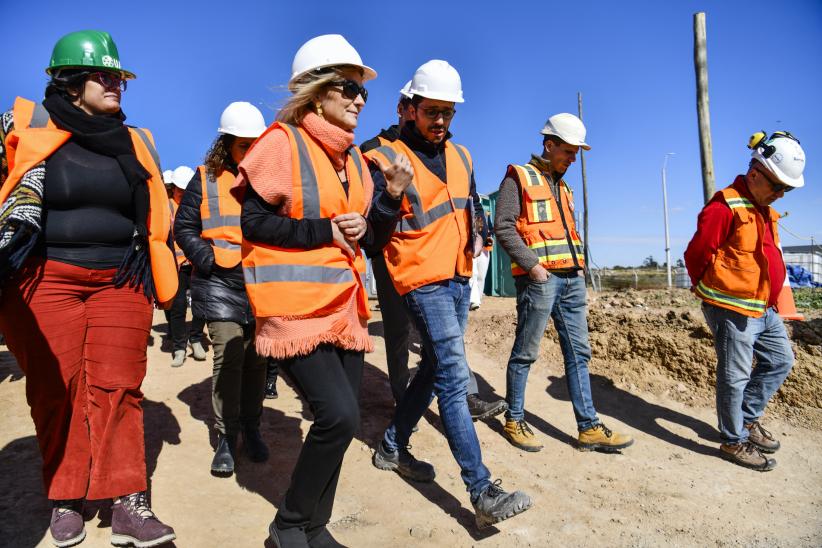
x,y
176,315
329,380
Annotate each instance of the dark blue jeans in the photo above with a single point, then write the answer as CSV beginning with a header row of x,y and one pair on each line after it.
x,y
562,298
440,311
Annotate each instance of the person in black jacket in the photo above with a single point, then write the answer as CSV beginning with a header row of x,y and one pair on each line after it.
x,y
207,229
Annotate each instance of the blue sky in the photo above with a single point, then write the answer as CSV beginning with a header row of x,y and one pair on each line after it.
x,y
519,62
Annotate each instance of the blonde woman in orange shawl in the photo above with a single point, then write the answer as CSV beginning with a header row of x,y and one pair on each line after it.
x,y
308,194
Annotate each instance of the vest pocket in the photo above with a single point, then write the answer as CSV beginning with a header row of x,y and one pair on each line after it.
x,y
738,277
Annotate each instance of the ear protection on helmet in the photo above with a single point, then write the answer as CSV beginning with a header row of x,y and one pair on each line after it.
x,y
761,140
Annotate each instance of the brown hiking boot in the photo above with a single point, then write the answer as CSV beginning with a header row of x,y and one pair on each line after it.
x,y
602,438
746,454
760,437
521,436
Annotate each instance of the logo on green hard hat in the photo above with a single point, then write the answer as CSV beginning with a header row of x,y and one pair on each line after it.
x,y
87,49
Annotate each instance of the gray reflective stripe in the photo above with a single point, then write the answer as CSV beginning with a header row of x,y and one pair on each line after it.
x,y
357,163
223,244
464,159
297,273
311,191
418,222
462,203
40,116
388,152
414,199
220,221
151,150
551,249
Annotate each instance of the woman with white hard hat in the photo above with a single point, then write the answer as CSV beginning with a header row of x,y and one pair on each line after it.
x,y
207,228
307,194
179,335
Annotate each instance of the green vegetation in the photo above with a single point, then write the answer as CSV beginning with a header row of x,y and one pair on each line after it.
x,y
809,298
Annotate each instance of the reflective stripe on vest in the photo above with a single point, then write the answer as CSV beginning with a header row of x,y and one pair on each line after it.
x,y
754,305
220,228
297,273
40,116
553,250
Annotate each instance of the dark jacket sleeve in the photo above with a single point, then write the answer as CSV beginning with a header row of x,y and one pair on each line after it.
x,y
505,225
188,228
712,229
382,218
261,223
478,211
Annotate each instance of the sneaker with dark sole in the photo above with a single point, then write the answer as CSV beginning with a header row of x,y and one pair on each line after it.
x,y
134,524
748,455
403,463
760,437
495,505
481,409
293,537
67,527
322,538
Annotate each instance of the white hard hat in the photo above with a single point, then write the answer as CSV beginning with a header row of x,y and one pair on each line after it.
x,y
437,79
784,157
168,177
328,50
242,119
567,127
181,176
404,91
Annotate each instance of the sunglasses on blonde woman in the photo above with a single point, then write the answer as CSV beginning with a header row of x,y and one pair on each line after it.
x,y
109,80
350,89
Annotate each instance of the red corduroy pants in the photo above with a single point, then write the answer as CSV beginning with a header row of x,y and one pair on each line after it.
x,y
82,344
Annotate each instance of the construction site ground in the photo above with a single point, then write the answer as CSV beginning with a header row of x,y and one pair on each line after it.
x,y
652,376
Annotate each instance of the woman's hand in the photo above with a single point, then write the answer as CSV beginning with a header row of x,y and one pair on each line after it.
x,y
340,240
398,175
352,225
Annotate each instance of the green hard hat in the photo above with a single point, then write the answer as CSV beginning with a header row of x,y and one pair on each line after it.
x,y
87,49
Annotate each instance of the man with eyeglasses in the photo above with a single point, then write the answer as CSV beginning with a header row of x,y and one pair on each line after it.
x,y
396,323
429,259
736,268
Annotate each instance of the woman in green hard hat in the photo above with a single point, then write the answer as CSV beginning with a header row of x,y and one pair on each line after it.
x,y
84,228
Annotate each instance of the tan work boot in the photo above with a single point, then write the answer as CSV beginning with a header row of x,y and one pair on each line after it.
x,y
746,454
521,436
760,437
601,438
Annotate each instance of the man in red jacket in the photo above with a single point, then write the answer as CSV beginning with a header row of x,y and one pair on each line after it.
x,y
736,268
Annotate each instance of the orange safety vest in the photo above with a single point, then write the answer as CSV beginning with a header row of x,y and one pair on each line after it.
x,y
220,215
35,138
316,282
737,278
178,253
546,226
430,242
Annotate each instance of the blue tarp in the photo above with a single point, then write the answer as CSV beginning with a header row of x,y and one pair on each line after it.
x,y
799,277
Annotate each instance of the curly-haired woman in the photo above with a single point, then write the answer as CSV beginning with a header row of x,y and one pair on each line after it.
x,y
207,229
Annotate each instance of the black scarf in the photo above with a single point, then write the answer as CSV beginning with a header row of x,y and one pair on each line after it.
x,y
109,136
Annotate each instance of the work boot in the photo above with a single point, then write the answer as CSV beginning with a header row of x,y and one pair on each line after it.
x,y
521,436
223,462
481,409
760,437
67,527
321,538
255,447
178,357
602,438
403,463
271,389
746,454
134,524
293,537
494,505
197,351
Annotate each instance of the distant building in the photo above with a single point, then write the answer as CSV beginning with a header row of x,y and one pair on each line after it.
x,y
803,255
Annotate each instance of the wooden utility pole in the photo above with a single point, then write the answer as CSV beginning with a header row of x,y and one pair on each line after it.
x,y
584,203
703,112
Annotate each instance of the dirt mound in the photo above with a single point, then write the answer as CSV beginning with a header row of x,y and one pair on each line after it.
x,y
658,341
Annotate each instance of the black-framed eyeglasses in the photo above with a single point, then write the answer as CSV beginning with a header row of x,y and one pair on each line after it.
x,y
350,89
109,80
775,185
432,113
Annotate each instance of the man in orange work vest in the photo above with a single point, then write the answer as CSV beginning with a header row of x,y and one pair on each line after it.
x,y
535,226
736,268
429,260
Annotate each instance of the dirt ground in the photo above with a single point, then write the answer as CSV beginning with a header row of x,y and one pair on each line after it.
x,y
652,376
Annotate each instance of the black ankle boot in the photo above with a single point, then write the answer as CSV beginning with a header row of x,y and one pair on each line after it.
x,y
223,462
255,447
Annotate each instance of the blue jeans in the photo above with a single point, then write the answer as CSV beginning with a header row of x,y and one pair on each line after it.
x,y
440,311
743,391
563,298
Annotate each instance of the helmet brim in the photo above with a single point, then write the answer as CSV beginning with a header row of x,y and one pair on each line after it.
x,y
124,74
